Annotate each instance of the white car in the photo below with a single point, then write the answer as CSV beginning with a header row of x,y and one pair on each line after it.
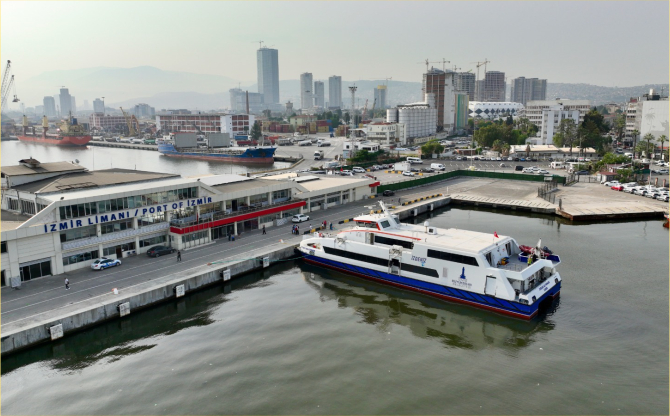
x,y
347,173
510,159
459,157
135,140
663,197
104,263
663,171
611,183
408,173
358,169
300,218
498,158
528,170
629,188
541,172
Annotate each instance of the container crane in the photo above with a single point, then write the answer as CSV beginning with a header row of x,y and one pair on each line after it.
x,y
7,85
131,129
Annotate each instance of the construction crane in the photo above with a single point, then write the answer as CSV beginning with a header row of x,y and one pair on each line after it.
x,y
7,85
131,129
428,62
387,80
486,61
444,64
365,110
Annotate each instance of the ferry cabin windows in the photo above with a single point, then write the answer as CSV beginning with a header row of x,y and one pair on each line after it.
x,y
380,262
366,224
385,224
393,242
456,258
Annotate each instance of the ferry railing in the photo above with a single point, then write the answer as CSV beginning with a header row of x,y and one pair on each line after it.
x,y
219,215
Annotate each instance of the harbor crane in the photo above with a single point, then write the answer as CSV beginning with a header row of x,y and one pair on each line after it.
x,y
8,85
131,129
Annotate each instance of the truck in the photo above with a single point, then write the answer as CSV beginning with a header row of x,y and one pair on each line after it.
x,y
402,166
322,143
305,143
318,155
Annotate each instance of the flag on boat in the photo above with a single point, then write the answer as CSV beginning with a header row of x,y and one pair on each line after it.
x,y
495,234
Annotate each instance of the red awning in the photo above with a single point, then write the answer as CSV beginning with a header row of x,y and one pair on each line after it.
x,y
372,185
230,220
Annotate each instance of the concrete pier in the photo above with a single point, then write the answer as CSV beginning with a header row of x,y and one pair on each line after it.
x,y
42,327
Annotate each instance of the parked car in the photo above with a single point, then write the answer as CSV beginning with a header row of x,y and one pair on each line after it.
x,y
611,183
358,169
101,264
582,172
459,157
628,189
158,251
408,173
388,192
427,170
640,191
664,197
518,168
502,165
663,171
617,187
541,172
516,159
528,170
300,218
346,173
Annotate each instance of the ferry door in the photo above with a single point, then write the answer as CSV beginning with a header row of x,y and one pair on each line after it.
x,y
490,286
395,267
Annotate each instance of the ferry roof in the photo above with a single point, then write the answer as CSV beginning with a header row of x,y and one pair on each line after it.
x,y
91,179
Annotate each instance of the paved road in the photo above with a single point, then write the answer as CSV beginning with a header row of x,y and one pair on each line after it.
x,y
48,293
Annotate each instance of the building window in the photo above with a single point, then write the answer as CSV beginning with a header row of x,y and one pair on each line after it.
x,y
78,233
112,227
13,204
78,258
152,241
109,251
194,236
150,219
3,247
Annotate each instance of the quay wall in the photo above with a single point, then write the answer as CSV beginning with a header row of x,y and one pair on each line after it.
x,y
37,329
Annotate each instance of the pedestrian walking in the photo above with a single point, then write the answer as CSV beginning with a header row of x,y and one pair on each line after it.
x,y
67,284
178,255
331,226
263,228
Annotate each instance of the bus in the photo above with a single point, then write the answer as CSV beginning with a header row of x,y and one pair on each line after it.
x,y
414,160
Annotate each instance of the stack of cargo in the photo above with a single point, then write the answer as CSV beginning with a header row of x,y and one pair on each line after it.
x,y
312,127
342,130
284,128
322,126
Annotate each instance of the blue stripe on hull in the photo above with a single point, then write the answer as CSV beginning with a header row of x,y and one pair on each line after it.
x,y
449,293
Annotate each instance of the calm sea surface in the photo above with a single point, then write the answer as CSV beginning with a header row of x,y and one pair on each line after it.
x,y
96,158
296,339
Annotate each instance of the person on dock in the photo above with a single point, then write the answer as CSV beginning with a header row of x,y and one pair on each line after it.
x,y
67,284
178,255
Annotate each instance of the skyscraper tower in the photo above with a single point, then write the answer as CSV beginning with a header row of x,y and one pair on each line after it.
x,y
319,94
65,102
306,91
268,74
335,91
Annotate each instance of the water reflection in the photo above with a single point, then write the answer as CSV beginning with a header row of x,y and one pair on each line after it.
x,y
453,325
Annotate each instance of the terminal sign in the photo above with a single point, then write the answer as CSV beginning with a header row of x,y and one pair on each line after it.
x,y
120,215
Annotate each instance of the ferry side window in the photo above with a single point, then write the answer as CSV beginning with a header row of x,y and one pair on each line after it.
x,y
385,224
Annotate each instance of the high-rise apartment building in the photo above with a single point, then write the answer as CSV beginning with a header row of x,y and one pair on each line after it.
x,y
465,82
306,91
494,87
98,106
528,89
49,106
268,74
319,94
440,84
380,96
238,101
73,105
144,110
65,101
335,91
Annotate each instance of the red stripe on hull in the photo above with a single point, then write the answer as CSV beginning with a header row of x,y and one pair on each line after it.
x,y
65,141
240,160
440,296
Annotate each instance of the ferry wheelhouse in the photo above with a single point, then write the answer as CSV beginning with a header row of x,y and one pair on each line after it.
x,y
488,271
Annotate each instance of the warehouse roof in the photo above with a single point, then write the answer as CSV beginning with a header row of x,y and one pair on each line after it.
x,y
53,167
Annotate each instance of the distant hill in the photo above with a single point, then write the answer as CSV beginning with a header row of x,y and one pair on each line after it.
x,y
600,95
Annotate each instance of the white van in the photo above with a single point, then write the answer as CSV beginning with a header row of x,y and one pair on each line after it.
x,y
557,165
414,160
437,166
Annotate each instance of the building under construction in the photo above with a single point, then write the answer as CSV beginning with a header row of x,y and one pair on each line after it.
x,y
440,84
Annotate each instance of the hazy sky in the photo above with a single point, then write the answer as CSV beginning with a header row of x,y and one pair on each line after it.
x,y
596,42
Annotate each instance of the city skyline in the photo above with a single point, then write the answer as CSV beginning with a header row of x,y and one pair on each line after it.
x,y
573,60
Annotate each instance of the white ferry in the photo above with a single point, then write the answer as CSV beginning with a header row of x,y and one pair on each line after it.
x,y
488,271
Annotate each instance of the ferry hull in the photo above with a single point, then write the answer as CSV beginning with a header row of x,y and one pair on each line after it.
x,y
58,141
493,304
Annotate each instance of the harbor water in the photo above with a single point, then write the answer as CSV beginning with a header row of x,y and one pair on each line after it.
x,y
296,339
97,158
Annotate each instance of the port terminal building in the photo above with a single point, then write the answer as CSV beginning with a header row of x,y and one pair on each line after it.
x,y
58,217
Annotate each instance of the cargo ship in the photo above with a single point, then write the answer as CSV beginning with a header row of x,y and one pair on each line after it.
x,y
70,133
218,148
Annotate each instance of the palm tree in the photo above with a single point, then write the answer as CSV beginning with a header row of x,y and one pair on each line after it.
x,y
497,145
634,134
505,149
649,138
662,139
